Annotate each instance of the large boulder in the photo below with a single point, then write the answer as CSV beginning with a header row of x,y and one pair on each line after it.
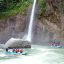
x,y
17,43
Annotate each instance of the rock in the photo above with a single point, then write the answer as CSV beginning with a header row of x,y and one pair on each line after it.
x,y
17,43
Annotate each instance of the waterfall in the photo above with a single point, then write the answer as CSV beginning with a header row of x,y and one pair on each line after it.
x,y
26,40
29,35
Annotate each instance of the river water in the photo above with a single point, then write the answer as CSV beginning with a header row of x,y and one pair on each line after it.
x,y
36,55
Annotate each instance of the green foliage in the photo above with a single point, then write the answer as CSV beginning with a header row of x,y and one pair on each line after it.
x,y
43,7
7,4
13,7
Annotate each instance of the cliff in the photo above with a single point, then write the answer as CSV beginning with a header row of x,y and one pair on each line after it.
x,y
53,18
13,26
49,22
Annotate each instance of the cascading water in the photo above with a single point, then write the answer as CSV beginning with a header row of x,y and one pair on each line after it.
x,y
25,41
29,35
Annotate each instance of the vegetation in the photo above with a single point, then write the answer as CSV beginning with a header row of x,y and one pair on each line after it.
x,y
43,7
12,7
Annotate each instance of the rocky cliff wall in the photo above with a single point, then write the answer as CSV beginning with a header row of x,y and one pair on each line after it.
x,y
53,19
49,27
13,26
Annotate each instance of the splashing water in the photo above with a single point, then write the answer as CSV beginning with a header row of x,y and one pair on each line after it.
x,y
29,36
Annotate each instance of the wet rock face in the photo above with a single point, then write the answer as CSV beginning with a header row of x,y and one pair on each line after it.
x,y
12,27
17,23
20,23
14,23
3,25
53,18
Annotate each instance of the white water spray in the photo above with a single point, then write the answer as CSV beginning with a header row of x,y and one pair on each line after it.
x,y
29,36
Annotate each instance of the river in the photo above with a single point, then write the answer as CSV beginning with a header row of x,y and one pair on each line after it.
x,y
36,55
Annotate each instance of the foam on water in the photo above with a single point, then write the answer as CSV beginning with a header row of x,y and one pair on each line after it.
x,y
39,55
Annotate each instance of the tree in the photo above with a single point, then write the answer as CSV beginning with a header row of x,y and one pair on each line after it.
x,y
7,4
